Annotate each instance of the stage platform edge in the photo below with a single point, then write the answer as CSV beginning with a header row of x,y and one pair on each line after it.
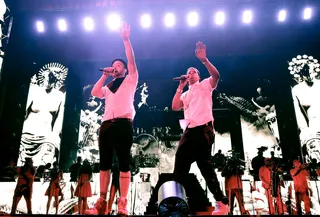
x,y
200,214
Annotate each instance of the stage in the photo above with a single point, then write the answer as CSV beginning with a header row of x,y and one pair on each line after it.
x,y
266,97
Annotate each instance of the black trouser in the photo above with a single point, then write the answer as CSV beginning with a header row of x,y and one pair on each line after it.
x,y
195,146
115,135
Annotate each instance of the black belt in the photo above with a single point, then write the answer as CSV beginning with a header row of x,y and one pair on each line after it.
x,y
203,125
118,119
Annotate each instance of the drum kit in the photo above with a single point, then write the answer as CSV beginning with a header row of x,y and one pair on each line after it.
x,y
146,152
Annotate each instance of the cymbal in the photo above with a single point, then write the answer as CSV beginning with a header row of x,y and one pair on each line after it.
x,y
263,148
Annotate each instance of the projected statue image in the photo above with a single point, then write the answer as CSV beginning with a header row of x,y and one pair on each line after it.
x,y
41,131
3,9
258,121
305,71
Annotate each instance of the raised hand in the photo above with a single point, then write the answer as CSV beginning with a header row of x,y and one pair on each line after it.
x,y
125,31
201,51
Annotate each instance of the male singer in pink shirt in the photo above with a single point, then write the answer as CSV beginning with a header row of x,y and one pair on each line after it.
x,y
116,128
196,142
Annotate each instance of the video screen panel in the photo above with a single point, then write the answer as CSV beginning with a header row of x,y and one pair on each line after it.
x,y
41,132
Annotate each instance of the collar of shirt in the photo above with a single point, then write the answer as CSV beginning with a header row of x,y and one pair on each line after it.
x,y
193,85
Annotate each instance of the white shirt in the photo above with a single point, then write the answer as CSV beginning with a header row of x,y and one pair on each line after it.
x,y
197,103
120,103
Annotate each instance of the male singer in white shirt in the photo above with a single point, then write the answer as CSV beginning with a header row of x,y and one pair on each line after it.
x,y
116,131
196,142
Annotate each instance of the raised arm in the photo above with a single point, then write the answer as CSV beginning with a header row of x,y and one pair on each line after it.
x,y
201,54
125,35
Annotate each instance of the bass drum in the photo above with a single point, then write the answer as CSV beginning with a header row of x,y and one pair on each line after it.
x,y
145,152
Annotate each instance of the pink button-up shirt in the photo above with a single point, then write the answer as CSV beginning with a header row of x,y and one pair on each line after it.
x,y
120,103
197,103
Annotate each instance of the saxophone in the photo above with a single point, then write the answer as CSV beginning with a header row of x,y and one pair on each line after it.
x,y
274,182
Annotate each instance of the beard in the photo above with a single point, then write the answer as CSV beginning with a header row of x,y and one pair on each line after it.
x,y
117,74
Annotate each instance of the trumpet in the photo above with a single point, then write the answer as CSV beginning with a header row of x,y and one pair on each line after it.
x,y
304,166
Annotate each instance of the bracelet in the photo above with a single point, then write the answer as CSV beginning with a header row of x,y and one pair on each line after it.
x,y
204,62
179,90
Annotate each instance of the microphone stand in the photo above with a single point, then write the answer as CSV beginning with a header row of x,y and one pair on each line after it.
x,y
278,189
133,197
253,207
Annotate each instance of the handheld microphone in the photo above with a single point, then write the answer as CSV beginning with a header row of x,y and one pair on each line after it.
x,y
102,70
181,78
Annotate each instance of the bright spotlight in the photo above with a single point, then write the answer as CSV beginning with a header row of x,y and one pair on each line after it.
x,y
307,13
282,15
145,21
247,16
88,23
169,20
220,18
40,26
172,200
114,21
62,24
193,18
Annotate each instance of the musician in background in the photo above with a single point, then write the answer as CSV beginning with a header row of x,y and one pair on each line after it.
x,y
24,185
233,184
219,160
257,162
270,182
300,176
54,189
74,172
83,189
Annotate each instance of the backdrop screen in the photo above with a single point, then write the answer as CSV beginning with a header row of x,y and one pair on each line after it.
x,y
305,71
42,125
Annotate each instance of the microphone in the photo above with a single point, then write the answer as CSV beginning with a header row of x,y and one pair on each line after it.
x,y
102,70
181,78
